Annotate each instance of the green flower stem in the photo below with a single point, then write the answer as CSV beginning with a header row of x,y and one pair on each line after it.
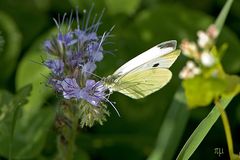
x,y
226,128
71,141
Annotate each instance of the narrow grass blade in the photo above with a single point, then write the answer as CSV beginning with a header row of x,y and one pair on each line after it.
x,y
172,129
223,15
201,131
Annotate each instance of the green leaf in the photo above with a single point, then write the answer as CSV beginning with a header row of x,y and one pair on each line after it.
x,y
201,91
9,114
81,154
30,136
223,15
172,129
11,49
30,17
201,131
32,128
36,75
18,101
122,6
222,50
42,4
21,139
233,85
86,5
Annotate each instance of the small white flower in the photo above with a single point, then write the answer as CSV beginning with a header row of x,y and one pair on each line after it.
x,y
207,59
190,64
196,71
183,74
189,71
203,39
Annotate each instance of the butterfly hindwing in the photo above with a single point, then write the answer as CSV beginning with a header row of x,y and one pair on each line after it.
x,y
139,84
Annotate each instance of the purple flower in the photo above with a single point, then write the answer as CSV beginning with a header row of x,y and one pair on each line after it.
x,y
94,92
88,68
74,59
70,88
54,47
48,46
92,36
67,39
56,84
94,50
83,36
75,52
56,66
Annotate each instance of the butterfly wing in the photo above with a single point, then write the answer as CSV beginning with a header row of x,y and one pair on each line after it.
x,y
164,61
162,55
145,73
139,84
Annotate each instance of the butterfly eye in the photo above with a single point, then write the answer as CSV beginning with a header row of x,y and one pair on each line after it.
x,y
155,65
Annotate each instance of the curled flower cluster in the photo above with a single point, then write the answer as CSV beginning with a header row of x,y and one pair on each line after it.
x,y
200,52
72,57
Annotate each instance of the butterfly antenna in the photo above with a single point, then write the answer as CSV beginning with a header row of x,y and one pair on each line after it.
x,y
113,106
91,73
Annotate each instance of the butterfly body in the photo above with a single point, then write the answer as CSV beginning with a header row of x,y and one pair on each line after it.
x,y
146,73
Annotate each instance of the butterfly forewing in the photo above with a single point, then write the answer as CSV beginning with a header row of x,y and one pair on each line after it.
x,y
150,57
164,61
142,83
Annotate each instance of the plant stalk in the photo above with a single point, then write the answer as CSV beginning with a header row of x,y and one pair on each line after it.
x,y
226,128
72,137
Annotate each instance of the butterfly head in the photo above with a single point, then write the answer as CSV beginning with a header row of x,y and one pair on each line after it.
x,y
109,81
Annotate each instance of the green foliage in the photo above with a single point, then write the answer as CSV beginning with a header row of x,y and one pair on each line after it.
x,y
114,7
211,85
139,25
22,139
213,82
9,113
233,85
33,128
202,91
11,49
172,128
122,6
36,75
223,15
201,131
1,42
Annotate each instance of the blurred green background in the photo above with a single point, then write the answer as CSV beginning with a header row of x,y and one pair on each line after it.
x,y
139,25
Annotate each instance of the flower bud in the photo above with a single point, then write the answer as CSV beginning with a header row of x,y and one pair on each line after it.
x,y
190,49
203,39
207,59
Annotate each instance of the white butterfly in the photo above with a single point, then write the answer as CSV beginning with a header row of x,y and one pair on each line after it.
x,y
146,73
